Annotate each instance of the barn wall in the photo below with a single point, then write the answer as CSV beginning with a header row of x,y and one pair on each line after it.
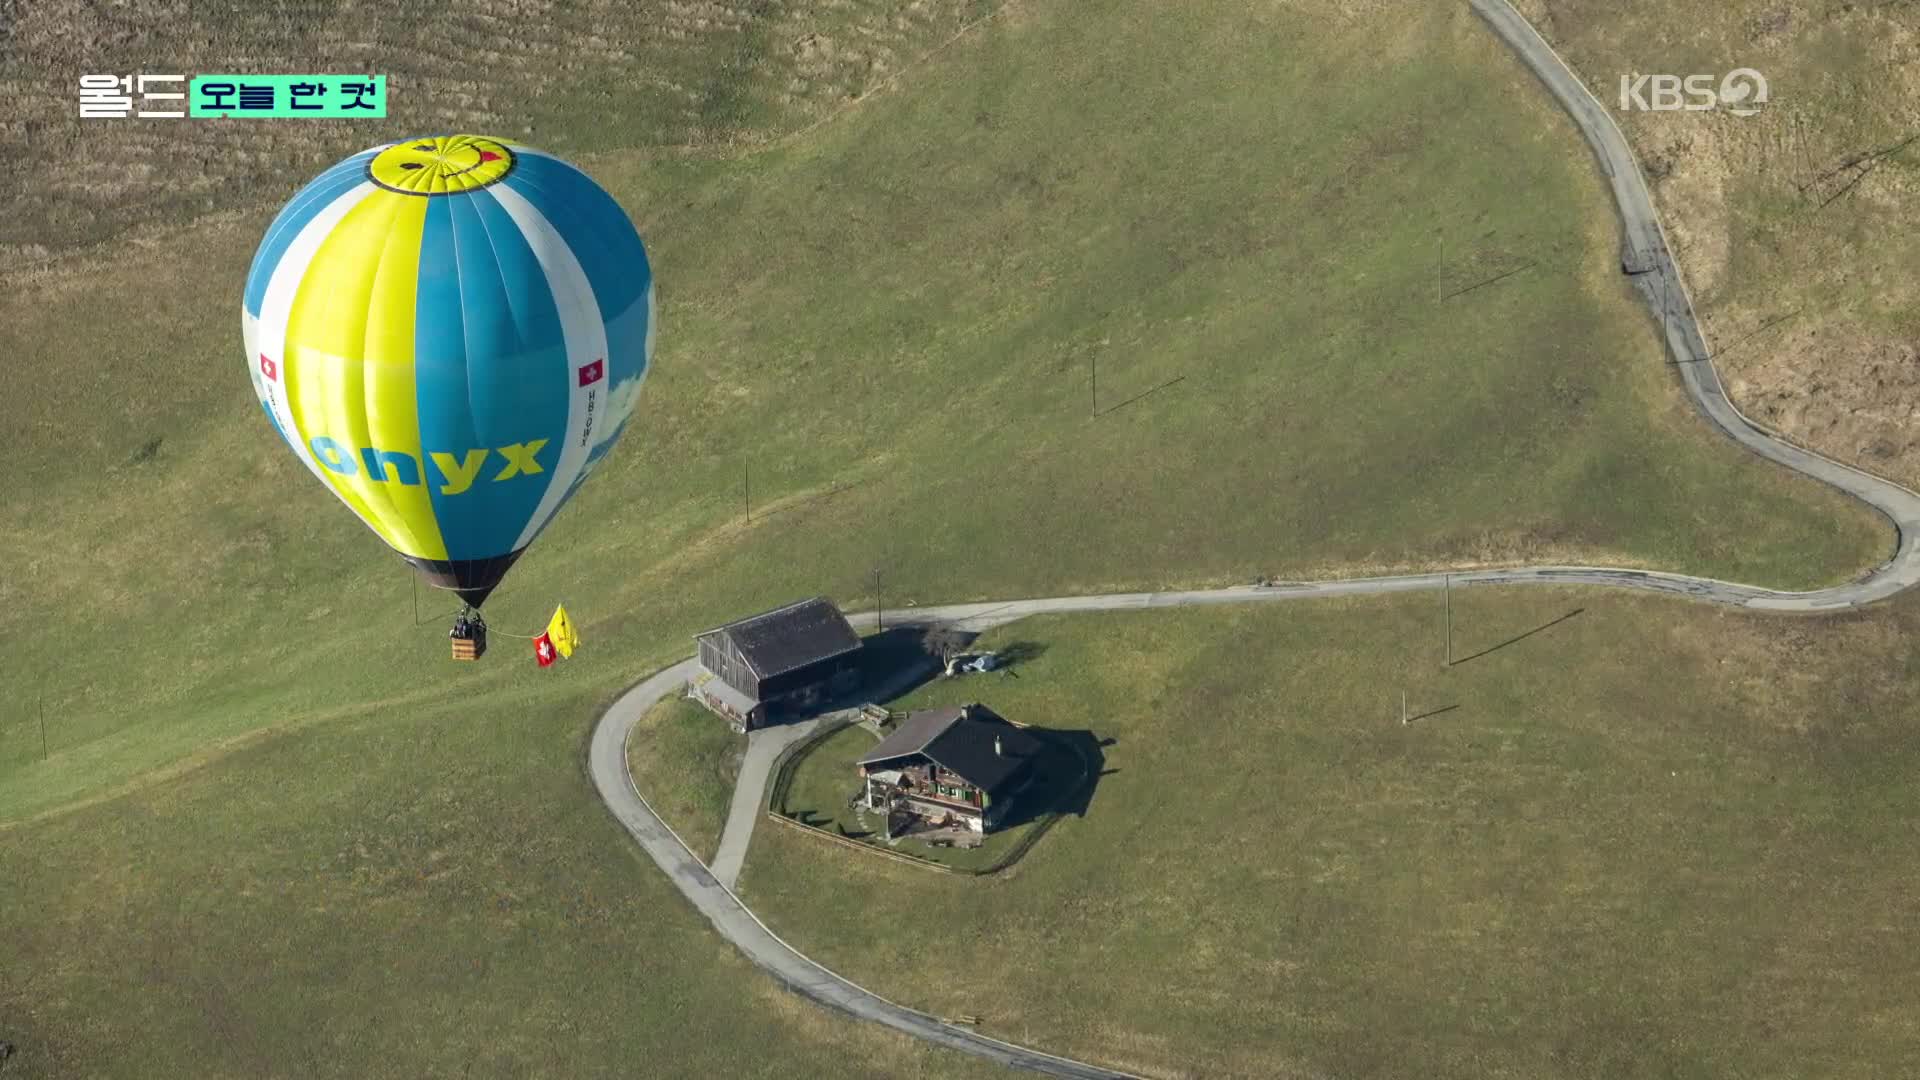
x,y
823,672
718,655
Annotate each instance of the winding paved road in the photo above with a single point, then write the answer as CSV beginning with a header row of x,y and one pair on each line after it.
x,y
1645,257
749,789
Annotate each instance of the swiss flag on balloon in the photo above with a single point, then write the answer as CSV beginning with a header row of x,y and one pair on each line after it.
x,y
543,650
592,373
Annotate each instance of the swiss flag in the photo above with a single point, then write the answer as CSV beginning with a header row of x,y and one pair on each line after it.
x,y
543,650
593,373
268,368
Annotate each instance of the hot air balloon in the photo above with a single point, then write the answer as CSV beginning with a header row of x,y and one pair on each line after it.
x,y
450,333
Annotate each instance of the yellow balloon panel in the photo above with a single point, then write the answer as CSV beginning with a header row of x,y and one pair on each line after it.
x,y
350,337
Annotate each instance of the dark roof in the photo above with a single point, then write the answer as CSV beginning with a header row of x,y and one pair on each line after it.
x,y
961,741
913,734
778,641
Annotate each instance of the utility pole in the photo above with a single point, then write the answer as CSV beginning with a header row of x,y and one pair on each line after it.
x,y
42,709
1093,397
1447,591
1403,708
746,489
879,622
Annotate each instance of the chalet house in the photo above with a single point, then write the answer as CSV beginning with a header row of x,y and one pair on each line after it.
x,y
960,766
776,664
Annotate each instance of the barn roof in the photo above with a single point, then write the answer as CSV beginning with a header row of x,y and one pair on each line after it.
x,y
961,740
784,639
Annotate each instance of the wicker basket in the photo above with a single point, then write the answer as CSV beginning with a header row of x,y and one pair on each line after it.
x,y
472,647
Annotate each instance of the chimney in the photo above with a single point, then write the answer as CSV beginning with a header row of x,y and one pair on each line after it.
x,y
996,747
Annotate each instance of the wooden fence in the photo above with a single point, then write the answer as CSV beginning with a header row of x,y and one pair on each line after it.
x,y
783,780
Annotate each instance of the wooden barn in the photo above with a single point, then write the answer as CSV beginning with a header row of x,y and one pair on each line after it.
x,y
777,664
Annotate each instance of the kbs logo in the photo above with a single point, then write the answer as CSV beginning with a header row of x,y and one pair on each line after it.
x,y
455,474
1742,92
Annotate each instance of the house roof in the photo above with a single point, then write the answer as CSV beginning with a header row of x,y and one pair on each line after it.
x,y
784,639
913,734
961,740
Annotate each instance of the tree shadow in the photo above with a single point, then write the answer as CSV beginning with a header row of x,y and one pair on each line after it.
x,y
1015,653
1521,637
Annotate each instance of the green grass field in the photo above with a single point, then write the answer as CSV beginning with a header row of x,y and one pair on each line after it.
x,y
264,781
822,778
434,892
1651,839
684,761
891,325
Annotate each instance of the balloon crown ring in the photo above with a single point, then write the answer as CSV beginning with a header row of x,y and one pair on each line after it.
x,y
441,164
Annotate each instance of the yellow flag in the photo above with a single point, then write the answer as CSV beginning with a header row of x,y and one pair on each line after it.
x,y
560,632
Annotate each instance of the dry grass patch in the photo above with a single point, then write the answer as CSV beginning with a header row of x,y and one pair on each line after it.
x,y
573,78
1800,210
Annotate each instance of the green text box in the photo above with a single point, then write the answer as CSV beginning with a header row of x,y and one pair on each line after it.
x,y
323,97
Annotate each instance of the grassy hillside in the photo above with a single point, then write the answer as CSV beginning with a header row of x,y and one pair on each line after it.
x,y
1651,839
1795,225
887,332
685,764
266,782
422,893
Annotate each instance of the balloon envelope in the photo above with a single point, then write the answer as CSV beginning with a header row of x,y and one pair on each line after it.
x,y
450,332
